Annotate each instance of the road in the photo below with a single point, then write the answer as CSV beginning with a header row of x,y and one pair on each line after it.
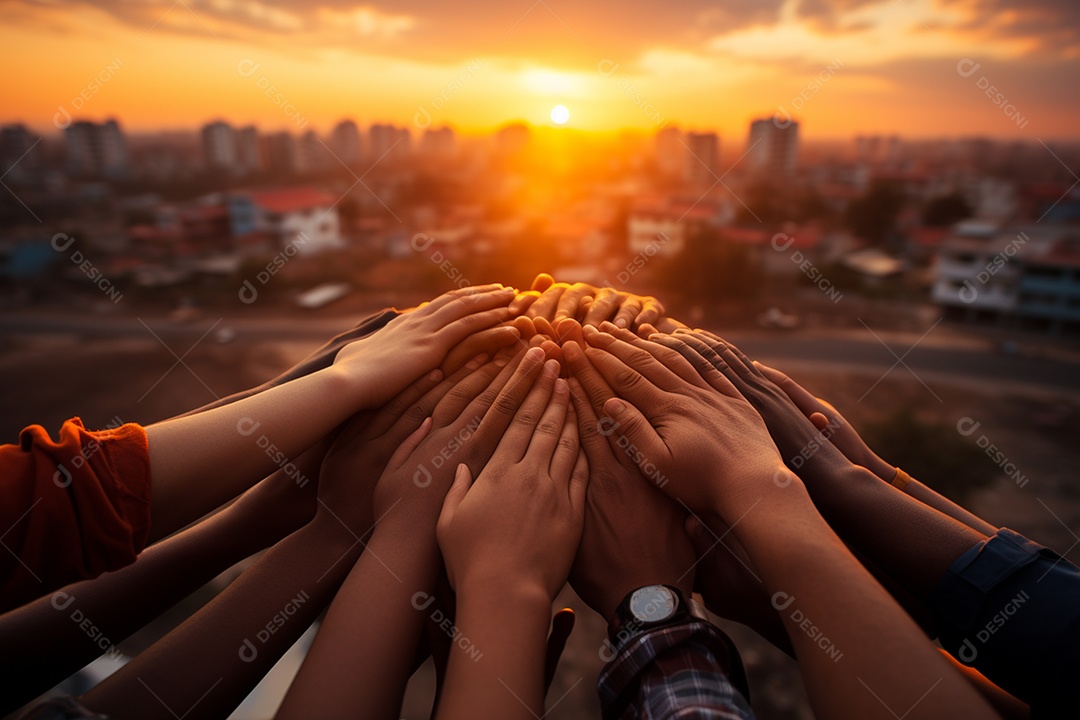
x,y
942,354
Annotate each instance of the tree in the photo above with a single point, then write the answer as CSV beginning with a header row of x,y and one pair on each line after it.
x,y
946,210
873,215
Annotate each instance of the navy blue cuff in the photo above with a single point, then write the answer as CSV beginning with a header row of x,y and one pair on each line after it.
x,y
1010,608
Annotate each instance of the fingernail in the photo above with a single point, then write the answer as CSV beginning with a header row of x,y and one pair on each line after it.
x,y
551,369
561,387
620,322
501,361
471,365
614,407
435,376
534,353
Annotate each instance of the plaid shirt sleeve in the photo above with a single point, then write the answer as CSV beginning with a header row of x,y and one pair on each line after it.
x,y
688,670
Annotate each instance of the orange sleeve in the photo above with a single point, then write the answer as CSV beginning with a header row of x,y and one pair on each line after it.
x,y
72,508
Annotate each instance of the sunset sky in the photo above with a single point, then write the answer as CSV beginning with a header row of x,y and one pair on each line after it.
x,y
839,66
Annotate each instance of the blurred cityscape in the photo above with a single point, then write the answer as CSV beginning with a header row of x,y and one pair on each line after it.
x,y
939,280
762,227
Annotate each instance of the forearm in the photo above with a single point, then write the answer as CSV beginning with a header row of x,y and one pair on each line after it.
x,y
859,652
929,496
227,647
365,650
911,542
249,438
499,671
60,633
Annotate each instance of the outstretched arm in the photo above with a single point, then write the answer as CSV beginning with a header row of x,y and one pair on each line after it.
x,y
47,635
864,656
260,433
363,654
508,541
228,645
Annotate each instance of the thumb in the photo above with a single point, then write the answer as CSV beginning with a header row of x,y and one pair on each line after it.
x,y
456,493
623,419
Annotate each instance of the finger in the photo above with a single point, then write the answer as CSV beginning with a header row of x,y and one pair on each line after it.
x,y
453,329
544,327
651,311
587,377
669,325
592,432
498,405
569,331
638,430
603,307
562,624
524,326
803,398
639,363
549,430
411,443
570,301
457,492
455,297
486,342
564,454
579,484
646,329
704,360
667,357
547,303
518,436
820,421
389,414
522,301
552,351
542,282
628,311
451,407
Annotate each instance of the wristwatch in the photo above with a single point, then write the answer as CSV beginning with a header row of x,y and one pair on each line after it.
x,y
650,607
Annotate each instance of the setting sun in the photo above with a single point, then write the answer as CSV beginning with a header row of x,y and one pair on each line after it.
x,y
559,114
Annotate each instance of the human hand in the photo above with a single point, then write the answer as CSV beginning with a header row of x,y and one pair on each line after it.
x,y
804,448
831,423
486,343
554,301
633,532
383,364
695,429
365,444
520,523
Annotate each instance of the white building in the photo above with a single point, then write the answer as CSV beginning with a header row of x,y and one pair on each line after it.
x,y
300,217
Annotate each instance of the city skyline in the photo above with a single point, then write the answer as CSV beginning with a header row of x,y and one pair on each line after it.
x,y
919,68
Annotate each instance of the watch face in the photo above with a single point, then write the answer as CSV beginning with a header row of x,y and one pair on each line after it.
x,y
654,603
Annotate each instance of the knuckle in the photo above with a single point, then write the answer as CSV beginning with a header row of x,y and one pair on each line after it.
x,y
505,405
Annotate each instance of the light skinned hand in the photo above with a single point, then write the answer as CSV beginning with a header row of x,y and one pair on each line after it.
x,y
384,363
519,524
695,429
634,533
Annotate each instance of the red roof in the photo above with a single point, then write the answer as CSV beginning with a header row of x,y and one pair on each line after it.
x,y
929,237
291,200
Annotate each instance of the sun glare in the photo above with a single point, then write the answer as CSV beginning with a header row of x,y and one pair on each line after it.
x,y
559,114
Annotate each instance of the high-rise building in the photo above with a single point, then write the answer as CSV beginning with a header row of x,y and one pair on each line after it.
x,y
96,150
670,153
21,158
388,143
701,158
438,143
345,142
219,146
280,153
248,152
773,148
